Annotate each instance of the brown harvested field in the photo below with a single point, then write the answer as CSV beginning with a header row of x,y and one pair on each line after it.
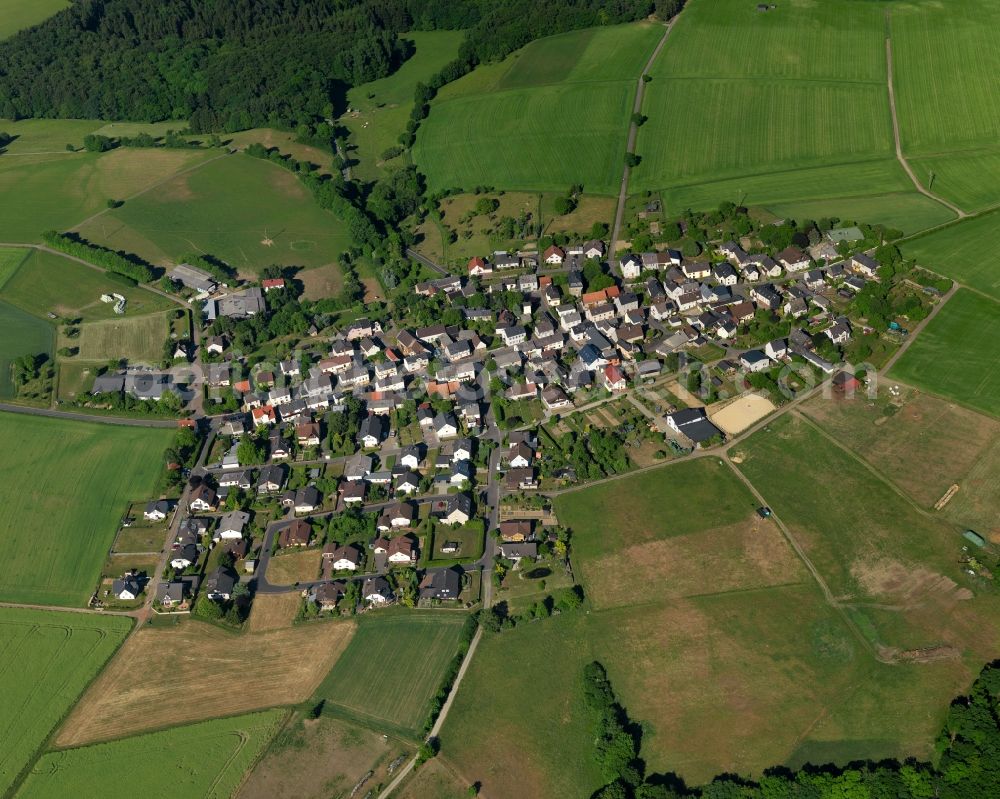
x,y
924,445
286,568
194,671
317,759
588,211
273,611
286,143
321,282
747,555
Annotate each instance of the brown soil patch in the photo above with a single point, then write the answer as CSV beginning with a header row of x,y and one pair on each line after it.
x,y
286,568
752,554
907,586
320,759
741,413
165,676
324,281
373,290
273,612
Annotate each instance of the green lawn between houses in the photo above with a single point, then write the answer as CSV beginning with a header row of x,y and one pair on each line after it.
x,y
392,668
512,125
66,483
46,661
958,354
205,760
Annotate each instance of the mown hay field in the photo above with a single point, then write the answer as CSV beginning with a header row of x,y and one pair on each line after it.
x,y
392,668
958,354
899,434
551,115
229,208
21,333
66,485
46,660
187,672
965,178
48,283
140,339
206,760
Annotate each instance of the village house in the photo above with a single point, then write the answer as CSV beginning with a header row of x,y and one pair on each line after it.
x,y
441,584
295,534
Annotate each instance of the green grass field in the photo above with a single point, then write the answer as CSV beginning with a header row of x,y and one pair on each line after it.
x,y
945,63
20,334
43,187
962,178
65,488
958,354
510,125
206,760
10,261
909,212
380,109
961,251
21,14
228,209
392,668
715,636
46,661
138,338
47,283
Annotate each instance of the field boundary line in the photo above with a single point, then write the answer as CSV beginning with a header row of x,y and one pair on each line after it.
x,y
895,129
918,329
633,131
157,184
831,600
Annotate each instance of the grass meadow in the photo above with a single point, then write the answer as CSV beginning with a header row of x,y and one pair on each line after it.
x,y
66,485
717,642
511,125
207,760
46,661
21,14
50,189
380,109
228,209
48,283
392,668
963,178
962,251
138,338
958,354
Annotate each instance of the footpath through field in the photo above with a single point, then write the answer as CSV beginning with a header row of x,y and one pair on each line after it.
x,y
633,130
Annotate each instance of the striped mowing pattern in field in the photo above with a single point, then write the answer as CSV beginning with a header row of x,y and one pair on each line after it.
x,y
967,179
392,668
829,40
963,251
945,67
138,338
554,114
908,212
46,660
206,760
531,139
704,130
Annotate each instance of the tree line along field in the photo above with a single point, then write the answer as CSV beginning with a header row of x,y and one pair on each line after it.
x,y
549,116
46,661
245,211
368,684
65,486
379,110
958,354
206,760
702,647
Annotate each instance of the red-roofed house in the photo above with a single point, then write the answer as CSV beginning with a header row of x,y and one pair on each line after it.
x,y
263,415
480,266
614,380
273,283
554,255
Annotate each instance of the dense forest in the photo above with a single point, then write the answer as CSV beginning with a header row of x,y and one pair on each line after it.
x,y
227,65
968,767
